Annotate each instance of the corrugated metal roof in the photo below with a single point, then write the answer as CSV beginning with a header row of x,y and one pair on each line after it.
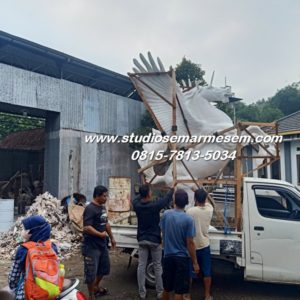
x,y
289,123
33,139
36,58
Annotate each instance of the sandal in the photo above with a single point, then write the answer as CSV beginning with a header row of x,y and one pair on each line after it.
x,y
101,292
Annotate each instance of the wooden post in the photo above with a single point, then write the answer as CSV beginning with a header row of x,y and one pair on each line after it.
x,y
277,144
174,126
238,188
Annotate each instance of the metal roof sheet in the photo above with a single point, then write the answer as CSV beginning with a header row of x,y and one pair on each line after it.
x,y
34,57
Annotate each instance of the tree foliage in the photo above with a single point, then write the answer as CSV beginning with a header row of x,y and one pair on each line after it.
x,y
188,70
287,99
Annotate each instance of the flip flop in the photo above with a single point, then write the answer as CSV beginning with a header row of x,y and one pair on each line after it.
x,y
102,292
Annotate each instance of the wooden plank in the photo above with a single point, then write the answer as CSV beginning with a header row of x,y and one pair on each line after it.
x,y
261,166
277,144
225,130
259,156
259,124
154,91
174,124
265,148
158,125
209,181
184,118
221,172
152,178
194,180
216,133
238,189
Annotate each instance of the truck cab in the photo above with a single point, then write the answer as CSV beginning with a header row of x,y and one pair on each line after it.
x,y
271,227
268,246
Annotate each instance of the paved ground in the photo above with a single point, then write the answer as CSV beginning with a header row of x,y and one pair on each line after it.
x,y
226,285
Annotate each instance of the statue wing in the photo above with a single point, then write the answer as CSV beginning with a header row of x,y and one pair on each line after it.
x,y
156,88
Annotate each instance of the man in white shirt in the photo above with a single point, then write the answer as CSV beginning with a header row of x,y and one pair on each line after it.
x,y
202,213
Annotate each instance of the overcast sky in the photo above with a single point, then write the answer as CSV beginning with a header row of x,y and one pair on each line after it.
x,y
254,43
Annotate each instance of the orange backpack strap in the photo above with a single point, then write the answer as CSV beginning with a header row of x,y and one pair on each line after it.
x,y
31,244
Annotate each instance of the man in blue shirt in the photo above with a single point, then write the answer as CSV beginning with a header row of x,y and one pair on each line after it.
x,y
178,231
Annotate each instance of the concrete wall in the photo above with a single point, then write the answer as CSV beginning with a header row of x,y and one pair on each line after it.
x,y
72,111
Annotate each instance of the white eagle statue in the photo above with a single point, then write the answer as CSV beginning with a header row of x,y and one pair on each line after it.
x,y
194,106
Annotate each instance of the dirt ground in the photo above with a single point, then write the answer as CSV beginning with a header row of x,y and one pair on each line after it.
x,y
122,284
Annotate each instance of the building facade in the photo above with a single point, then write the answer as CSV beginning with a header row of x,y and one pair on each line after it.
x,y
76,99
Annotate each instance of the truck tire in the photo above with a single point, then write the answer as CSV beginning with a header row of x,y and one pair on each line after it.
x,y
150,275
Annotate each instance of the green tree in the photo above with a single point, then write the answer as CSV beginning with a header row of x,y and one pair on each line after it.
x,y
246,112
287,99
260,111
269,113
188,70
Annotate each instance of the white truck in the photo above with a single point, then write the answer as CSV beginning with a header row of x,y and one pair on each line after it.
x,y
267,248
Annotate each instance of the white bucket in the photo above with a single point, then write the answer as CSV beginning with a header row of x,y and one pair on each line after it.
x,y
6,214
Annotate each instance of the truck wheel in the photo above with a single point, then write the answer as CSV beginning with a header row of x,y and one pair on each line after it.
x,y
150,275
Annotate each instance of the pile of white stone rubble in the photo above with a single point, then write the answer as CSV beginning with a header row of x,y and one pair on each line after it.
x,y
66,239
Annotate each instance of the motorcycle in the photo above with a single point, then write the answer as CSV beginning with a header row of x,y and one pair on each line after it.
x,y
69,292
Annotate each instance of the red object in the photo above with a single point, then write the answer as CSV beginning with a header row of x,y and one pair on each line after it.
x,y
80,296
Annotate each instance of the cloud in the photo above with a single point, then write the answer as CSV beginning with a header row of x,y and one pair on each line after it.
x,y
254,43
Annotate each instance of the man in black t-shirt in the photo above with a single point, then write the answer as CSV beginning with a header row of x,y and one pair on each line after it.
x,y
94,247
149,236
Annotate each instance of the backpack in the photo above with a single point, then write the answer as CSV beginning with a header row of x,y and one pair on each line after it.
x,y
42,280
